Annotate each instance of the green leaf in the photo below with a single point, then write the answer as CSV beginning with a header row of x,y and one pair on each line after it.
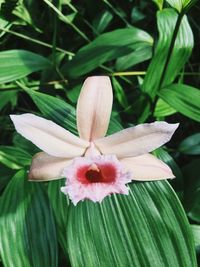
x,y
7,97
106,47
114,125
140,54
5,25
102,21
26,145
183,98
146,228
58,199
159,3
177,183
119,93
162,154
196,234
136,15
190,145
73,94
166,20
192,189
55,109
163,109
27,230
15,64
181,5
14,157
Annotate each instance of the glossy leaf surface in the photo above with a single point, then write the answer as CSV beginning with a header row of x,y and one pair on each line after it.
x,y
126,231
15,64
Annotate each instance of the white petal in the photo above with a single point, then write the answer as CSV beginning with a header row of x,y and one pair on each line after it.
x,y
94,107
49,136
147,168
45,167
137,140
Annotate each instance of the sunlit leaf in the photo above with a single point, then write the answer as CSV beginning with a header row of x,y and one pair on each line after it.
x,y
162,109
27,230
159,3
166,20
15,64
60,205
196,234
181,5
183,98
5,25
14,157
110,46
146,228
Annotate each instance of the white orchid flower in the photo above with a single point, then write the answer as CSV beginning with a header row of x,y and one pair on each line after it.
x,y
94,165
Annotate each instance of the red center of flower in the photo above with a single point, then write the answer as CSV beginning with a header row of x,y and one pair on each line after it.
x,y
97,174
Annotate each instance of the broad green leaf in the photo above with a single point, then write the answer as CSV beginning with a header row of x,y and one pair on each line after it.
x,y
60,205
139,55
177,182
15,64
14,157
185,99
181,5
146,228
190,145
192,189
162,154
119,93
166,20
102,21
26,145
114,125
8,97
55,109
106,47
73,94
196,234
163,109
27,230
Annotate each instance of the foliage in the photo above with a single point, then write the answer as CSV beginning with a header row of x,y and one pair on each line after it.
x,y
150,51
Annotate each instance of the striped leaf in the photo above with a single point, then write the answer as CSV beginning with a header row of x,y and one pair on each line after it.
x,y
183,98
146,228
27,230
16,64
167,19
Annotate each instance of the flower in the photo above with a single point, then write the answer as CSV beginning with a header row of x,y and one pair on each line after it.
x,y
95,166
